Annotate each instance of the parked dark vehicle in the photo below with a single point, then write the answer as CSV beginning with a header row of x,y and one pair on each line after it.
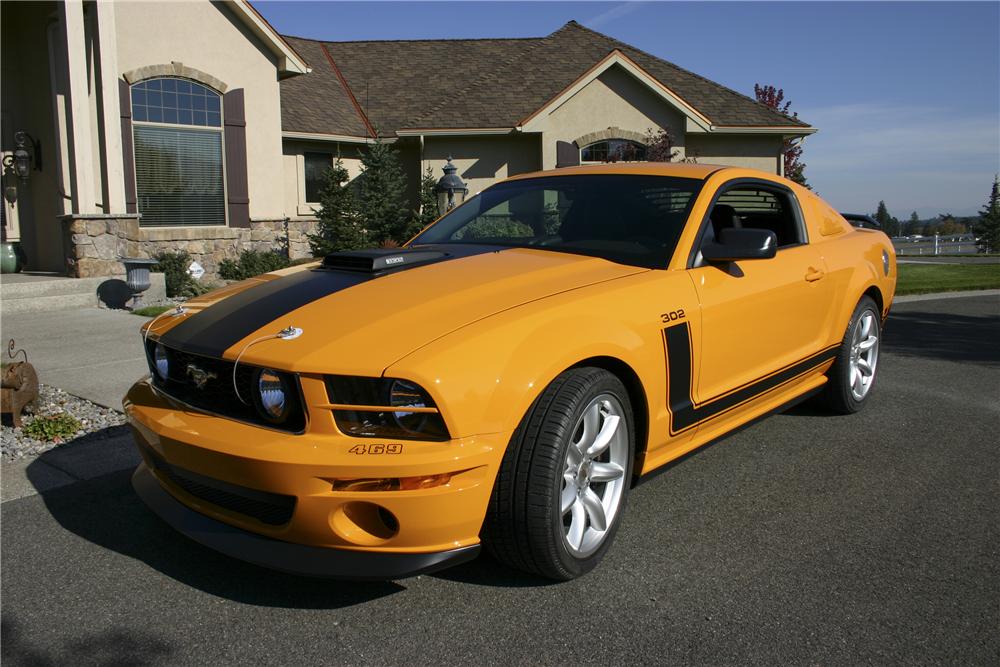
x,y
861,220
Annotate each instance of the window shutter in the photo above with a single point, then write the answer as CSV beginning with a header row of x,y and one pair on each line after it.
x,y
237,189
567,154
128,150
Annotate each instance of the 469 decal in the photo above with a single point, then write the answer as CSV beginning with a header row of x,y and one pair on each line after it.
x,y
394,448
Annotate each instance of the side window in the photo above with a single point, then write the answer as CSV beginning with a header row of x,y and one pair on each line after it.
x,y
759,207
316,165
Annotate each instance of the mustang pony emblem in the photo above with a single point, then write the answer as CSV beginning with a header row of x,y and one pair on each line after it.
x,y
199,376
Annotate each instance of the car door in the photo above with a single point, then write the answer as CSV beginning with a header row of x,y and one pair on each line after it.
x,y
759,318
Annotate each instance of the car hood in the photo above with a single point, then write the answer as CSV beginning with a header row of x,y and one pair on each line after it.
x,y
362,325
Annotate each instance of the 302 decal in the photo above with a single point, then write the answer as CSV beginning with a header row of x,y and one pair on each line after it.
x,y
394,448
673,315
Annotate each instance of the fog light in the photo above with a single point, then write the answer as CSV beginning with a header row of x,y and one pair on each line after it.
x,y
392,483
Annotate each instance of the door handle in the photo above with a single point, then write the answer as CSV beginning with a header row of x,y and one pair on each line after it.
x,y
814,274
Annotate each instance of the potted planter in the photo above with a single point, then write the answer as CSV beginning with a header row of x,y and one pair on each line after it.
x,y
11,257
137,277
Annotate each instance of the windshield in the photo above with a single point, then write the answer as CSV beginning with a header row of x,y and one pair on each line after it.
x,y
623,218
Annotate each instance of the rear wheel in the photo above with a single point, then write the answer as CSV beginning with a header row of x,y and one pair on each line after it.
x,y
562,486
852,376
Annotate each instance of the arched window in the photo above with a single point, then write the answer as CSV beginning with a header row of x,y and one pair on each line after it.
x,y
177,129
613,150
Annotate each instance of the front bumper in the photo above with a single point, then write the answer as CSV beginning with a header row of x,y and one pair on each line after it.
x,y
285,556
274,498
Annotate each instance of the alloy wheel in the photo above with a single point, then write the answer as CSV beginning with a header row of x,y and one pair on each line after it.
x,y
864,355
594,475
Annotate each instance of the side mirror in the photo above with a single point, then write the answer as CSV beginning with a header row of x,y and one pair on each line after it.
x,y
741,243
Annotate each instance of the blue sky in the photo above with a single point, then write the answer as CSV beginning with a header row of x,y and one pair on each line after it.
x,y
906,95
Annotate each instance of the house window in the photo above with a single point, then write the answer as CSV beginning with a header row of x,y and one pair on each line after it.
x,y
177,131
317,165
613,150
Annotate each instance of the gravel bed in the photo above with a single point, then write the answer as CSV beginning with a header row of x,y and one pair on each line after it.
x,y
97,423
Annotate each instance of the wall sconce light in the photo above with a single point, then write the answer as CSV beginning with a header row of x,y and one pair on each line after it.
x,y
27,154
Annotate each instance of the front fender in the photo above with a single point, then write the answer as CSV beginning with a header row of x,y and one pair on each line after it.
x,y
487,374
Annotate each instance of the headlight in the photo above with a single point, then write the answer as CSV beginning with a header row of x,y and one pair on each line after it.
x,y
403,394
272,395
161,362
384,408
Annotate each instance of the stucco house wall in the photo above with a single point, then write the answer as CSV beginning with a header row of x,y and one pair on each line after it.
x,y
207,37
615,99
482,161
294,201
737,150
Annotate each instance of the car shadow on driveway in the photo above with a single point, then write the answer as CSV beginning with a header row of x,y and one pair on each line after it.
x,y
108,513
114,647
944,335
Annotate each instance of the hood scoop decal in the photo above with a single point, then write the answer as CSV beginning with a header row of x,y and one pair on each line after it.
x,y
379,259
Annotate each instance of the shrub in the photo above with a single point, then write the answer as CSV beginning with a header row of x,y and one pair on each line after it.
x,y
52,428
174,266
252,263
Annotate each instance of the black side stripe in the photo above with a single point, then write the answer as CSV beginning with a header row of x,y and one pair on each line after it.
x,y
684,413
214,330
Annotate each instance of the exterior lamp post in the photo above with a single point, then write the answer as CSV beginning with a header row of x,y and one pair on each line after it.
x,y
450,190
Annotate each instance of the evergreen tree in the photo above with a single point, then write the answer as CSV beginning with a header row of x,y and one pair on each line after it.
x,y
791,148
427,212
882,216
913,224
338,226
382,189
987,227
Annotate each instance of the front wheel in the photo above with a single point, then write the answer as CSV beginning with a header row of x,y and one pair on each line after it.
x,y
852,376
563,482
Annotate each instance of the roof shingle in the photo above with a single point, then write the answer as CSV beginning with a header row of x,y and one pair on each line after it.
x,y
408,84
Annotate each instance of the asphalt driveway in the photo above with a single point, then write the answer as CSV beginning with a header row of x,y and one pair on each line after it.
x,y
803,539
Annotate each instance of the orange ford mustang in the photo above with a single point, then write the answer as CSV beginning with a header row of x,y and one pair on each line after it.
x,y
505,377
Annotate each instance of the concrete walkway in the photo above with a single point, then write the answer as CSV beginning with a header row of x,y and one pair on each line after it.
x,y
93,353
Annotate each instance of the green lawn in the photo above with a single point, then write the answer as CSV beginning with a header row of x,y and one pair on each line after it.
x,y
151,311
926,278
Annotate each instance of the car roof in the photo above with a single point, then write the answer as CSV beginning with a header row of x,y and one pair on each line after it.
x,y
676,169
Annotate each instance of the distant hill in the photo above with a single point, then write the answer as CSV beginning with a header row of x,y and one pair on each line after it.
x,y
930,213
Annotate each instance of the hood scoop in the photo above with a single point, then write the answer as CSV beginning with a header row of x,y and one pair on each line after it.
x,y
378,260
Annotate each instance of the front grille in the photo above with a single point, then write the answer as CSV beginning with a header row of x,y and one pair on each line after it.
x,y
217,394
273,509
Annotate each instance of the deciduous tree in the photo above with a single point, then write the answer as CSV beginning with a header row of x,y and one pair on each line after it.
x,y
791,148
660,145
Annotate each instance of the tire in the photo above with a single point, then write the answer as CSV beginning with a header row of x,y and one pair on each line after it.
x,y
855,368
542,516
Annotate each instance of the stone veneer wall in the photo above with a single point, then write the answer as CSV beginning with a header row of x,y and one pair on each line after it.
x,y
95,243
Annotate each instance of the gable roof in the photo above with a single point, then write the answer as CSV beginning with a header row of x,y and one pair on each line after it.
x,y
290,63
411,85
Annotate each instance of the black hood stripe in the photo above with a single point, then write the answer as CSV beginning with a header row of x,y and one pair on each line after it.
x,y
215,329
